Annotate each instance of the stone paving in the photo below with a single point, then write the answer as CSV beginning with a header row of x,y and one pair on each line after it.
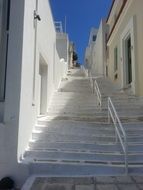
x,y
89,183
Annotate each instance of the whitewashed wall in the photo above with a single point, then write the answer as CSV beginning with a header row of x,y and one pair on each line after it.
x,y
9,128
21,108
62,44
95,54
46,40
89,52
99,49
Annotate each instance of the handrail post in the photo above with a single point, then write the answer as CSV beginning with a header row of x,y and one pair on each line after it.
x,y
126,157
98,93
119,132
93,83
116,135
109,118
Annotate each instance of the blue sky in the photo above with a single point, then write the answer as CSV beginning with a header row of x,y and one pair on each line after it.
x,y
81,16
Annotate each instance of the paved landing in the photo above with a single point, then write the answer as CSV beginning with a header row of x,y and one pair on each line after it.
x,y
93,183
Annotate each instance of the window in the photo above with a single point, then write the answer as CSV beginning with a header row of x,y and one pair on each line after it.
x,y
115,76
115,59
94,38
106,71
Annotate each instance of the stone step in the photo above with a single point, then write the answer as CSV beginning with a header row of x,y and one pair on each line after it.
x,y
71,94
91,129
78,113
88,105
125,105
87,132
77,170
55,169
84,157
71,123
80,130
93,104
75,90
94,118
75,97
75,118
66,104
109,92
93,112
76,80
117,97
49,136
123,102
83,147
74,84
122,98
44,121
43,144
68,137
97,116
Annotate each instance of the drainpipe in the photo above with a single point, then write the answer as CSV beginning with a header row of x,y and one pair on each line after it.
x,y
36,18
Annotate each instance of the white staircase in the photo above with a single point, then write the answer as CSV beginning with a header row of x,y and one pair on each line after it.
x,y
129,107
75,139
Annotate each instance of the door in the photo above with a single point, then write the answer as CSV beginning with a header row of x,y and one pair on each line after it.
x,y
4,29
128,61
43,70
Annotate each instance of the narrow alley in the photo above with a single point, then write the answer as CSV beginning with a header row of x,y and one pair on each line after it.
x,y
71,98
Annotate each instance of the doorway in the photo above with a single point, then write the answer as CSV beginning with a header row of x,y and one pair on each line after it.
x,y
128,57
43,72
4,35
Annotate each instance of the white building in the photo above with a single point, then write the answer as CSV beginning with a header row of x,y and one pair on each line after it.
x,y
89,52
95,55
71,50
99,49
32,65
125,60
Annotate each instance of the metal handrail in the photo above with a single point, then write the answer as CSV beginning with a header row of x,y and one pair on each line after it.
x,y
84,70
120,132
96,88
90,78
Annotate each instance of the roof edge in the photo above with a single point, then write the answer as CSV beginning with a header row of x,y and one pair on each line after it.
x,y
110,10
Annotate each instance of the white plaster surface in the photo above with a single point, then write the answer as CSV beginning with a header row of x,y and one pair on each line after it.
x,y
22,102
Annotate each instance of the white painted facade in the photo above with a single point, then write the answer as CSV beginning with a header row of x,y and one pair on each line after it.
x,y
126,34
71,50
89,52
99,59
96,52
35,67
